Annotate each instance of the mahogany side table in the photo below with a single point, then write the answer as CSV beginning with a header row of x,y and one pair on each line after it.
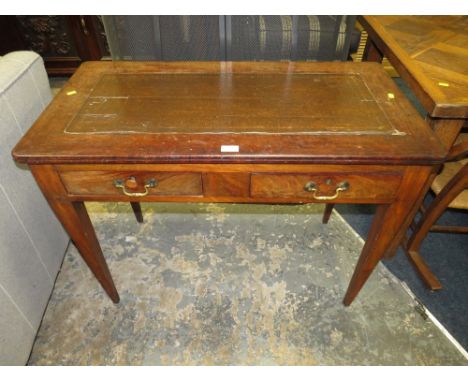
x,y
232,132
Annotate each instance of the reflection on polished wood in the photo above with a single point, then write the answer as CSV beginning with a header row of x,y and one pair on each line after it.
x,y
149,132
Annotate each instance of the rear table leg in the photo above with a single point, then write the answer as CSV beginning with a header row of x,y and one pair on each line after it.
x,y
137,211
326,214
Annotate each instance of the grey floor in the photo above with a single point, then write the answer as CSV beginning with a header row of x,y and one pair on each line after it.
x,y
231,285
446,255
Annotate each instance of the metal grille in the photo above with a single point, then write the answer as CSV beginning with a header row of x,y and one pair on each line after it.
x,y
260,38
190,38
169,38
233,38
132,37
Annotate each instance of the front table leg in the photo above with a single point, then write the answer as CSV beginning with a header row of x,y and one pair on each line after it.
x,y
390,221
75,219
372,252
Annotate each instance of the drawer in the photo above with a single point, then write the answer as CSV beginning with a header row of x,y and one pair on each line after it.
x,y
138,183
326,186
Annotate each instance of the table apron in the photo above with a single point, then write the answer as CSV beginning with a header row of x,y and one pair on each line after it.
x,y
232,183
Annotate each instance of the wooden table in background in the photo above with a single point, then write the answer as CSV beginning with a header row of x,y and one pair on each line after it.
x,y
431,54
232,132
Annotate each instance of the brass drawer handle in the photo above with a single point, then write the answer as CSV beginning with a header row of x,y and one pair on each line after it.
x,y
312,187
151,183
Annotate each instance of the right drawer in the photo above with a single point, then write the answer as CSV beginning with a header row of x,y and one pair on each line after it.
x,y
375,187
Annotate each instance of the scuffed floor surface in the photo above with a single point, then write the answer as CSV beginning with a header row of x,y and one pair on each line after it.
x,y
231,285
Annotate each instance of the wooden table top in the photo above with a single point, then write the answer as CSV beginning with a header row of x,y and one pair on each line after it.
x,y
434,51
135,112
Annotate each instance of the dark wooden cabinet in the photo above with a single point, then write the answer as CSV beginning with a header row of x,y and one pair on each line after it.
x,y
63,41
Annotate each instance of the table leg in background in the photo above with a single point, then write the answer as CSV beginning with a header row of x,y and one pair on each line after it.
x,y
371,53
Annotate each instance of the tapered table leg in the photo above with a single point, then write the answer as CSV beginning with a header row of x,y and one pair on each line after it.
x,y
136,207
388,223
369,256
401,234
327,212
75,219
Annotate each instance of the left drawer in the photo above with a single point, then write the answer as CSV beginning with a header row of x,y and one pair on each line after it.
x,y
132,183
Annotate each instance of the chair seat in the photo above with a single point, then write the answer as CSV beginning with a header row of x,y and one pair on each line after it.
x,y
448,172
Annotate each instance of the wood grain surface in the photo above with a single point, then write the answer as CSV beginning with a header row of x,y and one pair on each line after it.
x,y
431,54
122,112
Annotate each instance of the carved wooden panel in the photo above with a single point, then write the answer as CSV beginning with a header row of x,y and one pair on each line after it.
x,y
48,36
63,41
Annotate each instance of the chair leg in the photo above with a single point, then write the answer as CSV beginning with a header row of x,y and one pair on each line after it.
x,y
423,270
137,211
456,185
327,212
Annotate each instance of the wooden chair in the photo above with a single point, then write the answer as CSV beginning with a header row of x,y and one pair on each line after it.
x,y
450,187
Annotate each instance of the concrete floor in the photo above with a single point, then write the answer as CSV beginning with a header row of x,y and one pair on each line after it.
x,y
231,285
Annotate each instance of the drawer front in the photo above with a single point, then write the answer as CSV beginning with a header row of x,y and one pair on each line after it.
x,y
326,187
132,183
